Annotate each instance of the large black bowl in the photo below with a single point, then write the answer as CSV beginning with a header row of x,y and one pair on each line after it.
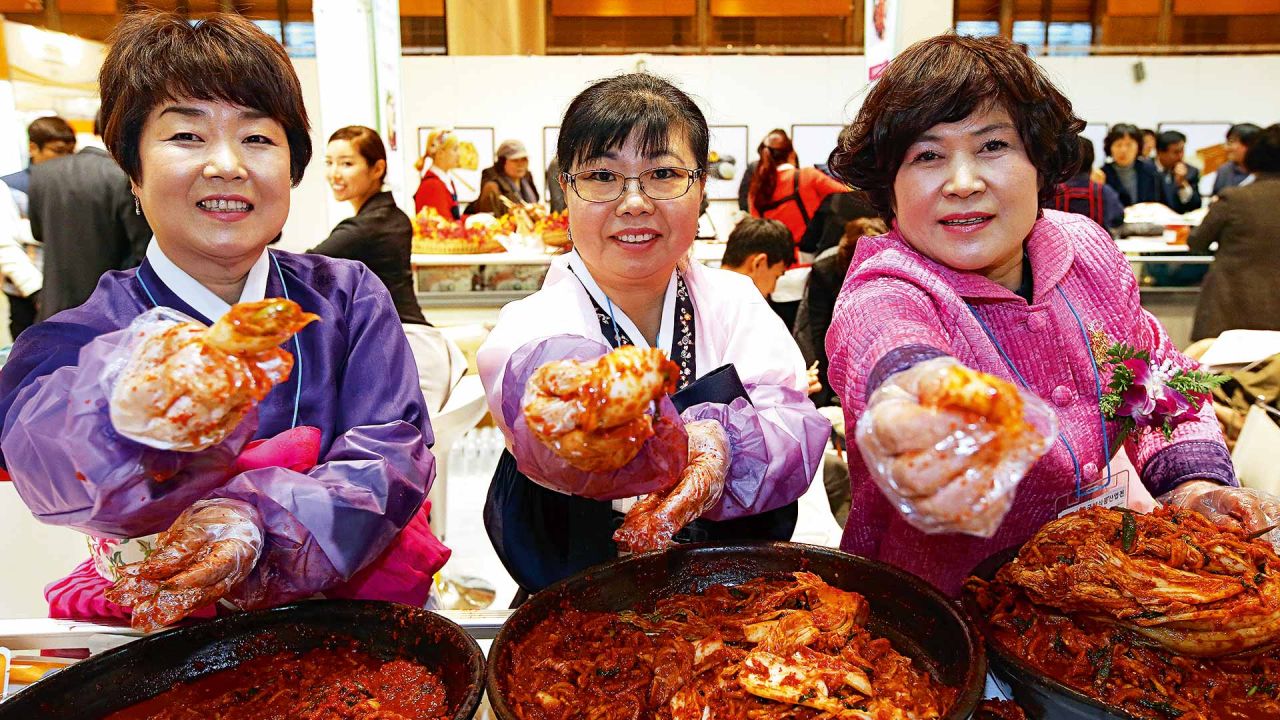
x,y
145,668
1042,697
920,622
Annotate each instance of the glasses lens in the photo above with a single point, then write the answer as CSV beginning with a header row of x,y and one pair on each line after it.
x,y
665,183
598,185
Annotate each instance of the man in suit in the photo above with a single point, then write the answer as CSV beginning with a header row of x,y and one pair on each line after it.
x,y
83,211
1179,181
47,138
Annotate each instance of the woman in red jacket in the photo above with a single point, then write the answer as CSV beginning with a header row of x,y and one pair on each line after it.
x,y
782,191
436,189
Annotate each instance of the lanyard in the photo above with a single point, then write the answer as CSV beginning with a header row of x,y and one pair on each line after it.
x,y
297,346
1097,381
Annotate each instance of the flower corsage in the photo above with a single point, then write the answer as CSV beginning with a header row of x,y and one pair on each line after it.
x,y
1145,395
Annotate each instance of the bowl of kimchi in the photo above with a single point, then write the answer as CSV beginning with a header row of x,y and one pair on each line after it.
x,y
754,630
330,659
1121,615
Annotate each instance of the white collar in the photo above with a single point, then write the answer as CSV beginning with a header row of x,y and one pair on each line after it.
x,y
442,174
199,297
665,332
786,166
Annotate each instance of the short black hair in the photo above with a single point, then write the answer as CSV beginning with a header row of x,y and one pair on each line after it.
x,y
1087,155
1167,138
944,79
603,116
1149,131
1243,132
161,56
1263,154
1120,131
753,236
50,128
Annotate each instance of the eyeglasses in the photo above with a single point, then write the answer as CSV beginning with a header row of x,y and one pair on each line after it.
x,y
661,183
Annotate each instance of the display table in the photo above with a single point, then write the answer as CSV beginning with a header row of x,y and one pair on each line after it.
x,y
491,280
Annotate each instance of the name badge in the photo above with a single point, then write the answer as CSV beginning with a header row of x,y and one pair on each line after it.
x,y
1106,493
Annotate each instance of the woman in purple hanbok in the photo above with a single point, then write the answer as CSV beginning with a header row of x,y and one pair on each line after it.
x,y
635,148
207,120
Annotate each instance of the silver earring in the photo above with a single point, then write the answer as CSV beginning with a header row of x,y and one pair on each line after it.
x,y
137,205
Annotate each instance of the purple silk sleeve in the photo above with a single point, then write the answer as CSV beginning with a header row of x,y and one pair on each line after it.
x,y
661,458
71,467
324,525
776,443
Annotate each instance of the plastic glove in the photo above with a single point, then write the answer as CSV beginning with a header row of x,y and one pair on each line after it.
x,y
1236,508
211,548
596,414
948,445
184,386
656,518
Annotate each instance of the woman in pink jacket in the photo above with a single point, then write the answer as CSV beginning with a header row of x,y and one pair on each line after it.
x,y
958,145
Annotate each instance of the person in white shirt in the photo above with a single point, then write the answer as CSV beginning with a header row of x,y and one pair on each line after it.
x,y
21,276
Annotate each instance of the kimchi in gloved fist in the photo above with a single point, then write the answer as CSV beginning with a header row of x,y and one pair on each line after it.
x,y
655,519
596,414
209,550
947,445
186,387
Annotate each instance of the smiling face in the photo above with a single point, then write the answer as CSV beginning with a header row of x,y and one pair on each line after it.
x,y
349,175
214,182
635,239
966,194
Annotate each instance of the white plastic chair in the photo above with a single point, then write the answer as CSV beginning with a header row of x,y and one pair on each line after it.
x,y
465,408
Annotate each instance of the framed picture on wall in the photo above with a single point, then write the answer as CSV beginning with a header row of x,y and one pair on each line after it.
x,y
727,162
476,147
550,136
814,143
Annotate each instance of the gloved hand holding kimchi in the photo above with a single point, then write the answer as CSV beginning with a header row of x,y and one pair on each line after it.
x,y
1251,511
185,386
948,445
209,550
597,414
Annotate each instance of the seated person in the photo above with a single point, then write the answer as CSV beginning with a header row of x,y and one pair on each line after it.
x,y
1179,181
508,179
1231,173
760,249
1133,178
1084,196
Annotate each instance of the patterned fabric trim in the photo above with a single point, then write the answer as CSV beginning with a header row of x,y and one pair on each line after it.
x,y
1188,460
683,342
897,360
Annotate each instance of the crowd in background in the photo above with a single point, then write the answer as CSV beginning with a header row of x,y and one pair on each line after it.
x,y
66,197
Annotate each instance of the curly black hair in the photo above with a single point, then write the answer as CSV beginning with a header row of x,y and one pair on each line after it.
x,y
943,80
